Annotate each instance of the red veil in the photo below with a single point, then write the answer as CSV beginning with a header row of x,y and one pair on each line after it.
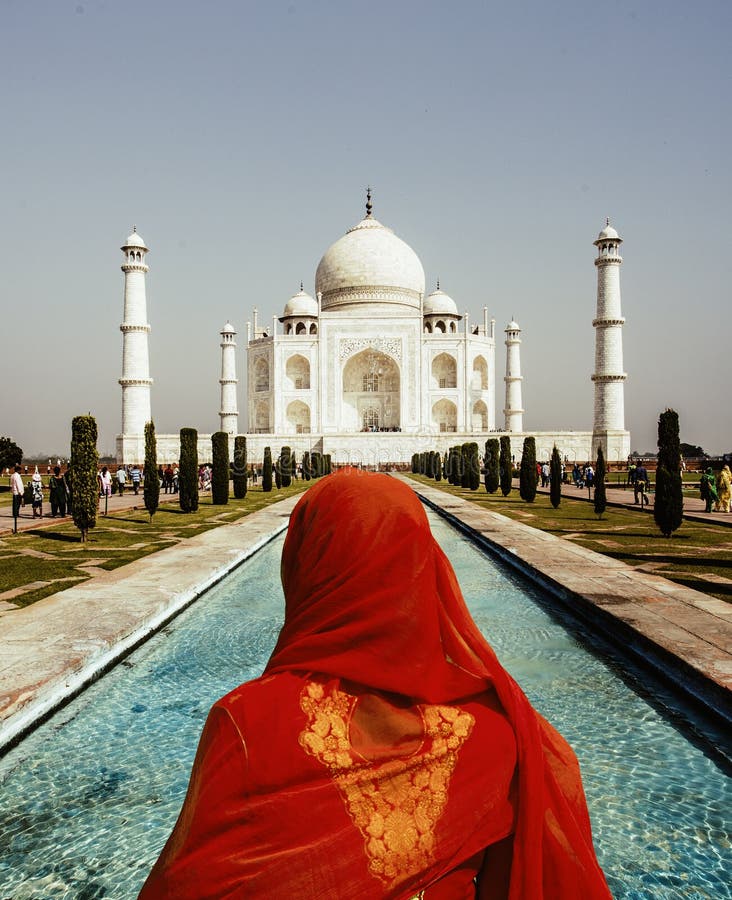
x,y
371,601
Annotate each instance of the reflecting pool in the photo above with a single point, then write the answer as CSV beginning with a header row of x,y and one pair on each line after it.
x,y
87,801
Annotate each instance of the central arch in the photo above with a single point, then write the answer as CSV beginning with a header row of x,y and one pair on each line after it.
x,y
371,393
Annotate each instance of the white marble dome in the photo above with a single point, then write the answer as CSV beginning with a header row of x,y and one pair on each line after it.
x,y
301,304
134,240
608,233
369,264
438,303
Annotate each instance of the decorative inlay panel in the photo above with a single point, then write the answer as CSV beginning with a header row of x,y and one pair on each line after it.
x,y
389,346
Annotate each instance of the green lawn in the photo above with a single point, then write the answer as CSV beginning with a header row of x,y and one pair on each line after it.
x,y
698,555
54,554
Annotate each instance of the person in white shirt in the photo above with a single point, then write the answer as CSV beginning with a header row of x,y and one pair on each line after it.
x,y
16,486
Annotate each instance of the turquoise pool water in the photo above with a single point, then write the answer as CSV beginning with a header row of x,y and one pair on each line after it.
x,y
87,801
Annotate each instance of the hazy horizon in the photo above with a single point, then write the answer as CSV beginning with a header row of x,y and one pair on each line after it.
x,y
239,138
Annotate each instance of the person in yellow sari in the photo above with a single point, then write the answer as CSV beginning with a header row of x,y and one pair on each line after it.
x,y
724,486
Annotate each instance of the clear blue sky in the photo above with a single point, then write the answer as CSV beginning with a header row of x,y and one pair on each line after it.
x,y
239,138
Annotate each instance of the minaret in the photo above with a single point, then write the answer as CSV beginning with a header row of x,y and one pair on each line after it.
x,y
513,412
609,422
135,378
228,381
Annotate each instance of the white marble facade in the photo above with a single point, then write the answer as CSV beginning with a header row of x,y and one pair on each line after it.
x,y
371,354
371,369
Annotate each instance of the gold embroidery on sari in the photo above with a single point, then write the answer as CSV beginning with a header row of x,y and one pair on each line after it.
x,y
395,804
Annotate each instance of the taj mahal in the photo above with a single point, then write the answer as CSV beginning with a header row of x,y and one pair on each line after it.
x,y
372,369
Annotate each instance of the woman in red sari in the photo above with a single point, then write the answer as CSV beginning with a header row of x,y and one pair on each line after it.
x,y
384,752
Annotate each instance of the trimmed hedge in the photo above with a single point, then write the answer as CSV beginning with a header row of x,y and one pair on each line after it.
x,y
555,478
84,463
267,471
220,473
239,468
285,467
492,472
600,497
528,476
151,479
668,506
505,466
188,470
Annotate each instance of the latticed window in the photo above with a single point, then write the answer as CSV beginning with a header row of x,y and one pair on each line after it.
x,y
371,417
371,381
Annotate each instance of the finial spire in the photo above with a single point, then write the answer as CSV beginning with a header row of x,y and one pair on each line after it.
x,y
301,285
368,202
134,229
607,221
438,284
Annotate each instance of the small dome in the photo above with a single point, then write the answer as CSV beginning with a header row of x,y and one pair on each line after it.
x,y
228,329
134,240
301,304
608,233
368,264
438,303
513,325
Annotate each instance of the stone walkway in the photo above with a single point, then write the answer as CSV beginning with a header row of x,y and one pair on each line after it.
x,y
52,648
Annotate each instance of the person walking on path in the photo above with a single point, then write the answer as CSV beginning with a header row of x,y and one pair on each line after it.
x,y
16,486
724,483
135,476
57,493
708,489
641,485
105,482
121,480
37,494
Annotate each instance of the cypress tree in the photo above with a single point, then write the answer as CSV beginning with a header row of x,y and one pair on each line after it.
x,y
555,478
464,450
600,495
328,463
492,472
415,464
505,466
286,466
316,463
267,471
188,470
472,460
306,473
151,479
668,507
277,473
84,463
239,470
528,475
220,473
438,466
